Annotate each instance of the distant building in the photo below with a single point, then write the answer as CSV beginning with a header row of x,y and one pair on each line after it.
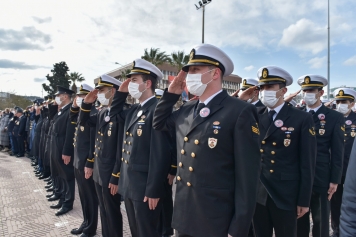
x,y
4,95
230,83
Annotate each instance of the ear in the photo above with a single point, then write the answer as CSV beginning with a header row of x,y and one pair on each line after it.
x,y
148,84
321,93
217,74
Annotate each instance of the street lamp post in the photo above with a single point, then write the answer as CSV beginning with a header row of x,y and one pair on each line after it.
x,y
202,5
328,51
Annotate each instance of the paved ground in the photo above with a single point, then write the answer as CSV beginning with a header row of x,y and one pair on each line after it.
x,y
24,209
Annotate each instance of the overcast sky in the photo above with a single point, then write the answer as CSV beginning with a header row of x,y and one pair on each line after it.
x,y
91,36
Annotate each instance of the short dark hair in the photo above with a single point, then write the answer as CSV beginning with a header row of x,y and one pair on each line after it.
x,y
146,77
282,85
222,73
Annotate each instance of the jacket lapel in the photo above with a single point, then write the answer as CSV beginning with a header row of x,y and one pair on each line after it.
x,y
144,109
282,115
214,106
264,120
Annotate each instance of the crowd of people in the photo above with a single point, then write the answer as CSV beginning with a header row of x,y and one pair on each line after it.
x,y
254,163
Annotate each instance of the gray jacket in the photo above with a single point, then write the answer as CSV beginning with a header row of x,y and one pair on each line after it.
x,y
348,207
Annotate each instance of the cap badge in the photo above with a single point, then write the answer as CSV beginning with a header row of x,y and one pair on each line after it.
x,y
265,73
133,65
244,82
212,142
192,54
341,93
307,80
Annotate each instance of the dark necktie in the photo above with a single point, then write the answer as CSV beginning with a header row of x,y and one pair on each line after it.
x,y
197,110
270,115
312,112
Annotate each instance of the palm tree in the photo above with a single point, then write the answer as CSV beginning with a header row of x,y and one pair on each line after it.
x,y
156,57
75,77
179,59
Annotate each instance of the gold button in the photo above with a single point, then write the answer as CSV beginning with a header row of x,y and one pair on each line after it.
x,y
345,135
271,171
272,161
185,139
96,155
191,169
101,141
122,159
180,164
130,134
182,152
193,154
126,162
124,142
178,178
102,134
73,144
189,184
263,142
99,148
274,144
272,152
123,150
95,146
261,150
98,132
196,142
129,143
128,152
127,133
97,139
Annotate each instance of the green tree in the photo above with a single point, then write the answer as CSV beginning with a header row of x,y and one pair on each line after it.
x,y
75,77
59,77
156,57
179,59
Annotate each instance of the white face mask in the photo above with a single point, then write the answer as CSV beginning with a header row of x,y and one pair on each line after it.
x,y
195,85
79,101
102,99
58,100
343,108
269,98
135,91
310,98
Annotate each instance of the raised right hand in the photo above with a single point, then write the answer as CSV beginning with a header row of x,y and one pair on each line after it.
x,y
125,86
91,96
178,84
246,94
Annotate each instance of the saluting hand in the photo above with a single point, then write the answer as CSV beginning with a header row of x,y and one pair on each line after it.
x,y
235,93
246,94
113,188
66,159
125,86
152,202
91,97
327,104
74,105
291,96
178,84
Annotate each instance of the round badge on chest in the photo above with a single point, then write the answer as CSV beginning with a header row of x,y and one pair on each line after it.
x,y
107,118
139,113
278,123
204,112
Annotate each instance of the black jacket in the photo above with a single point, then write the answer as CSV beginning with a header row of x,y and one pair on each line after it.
x,y
145,153
20,126
288,158
103,153
218,164
350,133
83,137
330,146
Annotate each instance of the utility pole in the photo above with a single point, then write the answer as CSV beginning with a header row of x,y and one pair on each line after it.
x,y
328,50
202,5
